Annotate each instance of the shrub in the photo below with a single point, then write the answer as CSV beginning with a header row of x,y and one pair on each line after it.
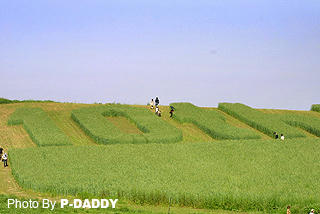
x,y
315,107
7,101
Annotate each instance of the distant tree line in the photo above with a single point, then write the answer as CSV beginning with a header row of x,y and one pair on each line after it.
x,y
7,101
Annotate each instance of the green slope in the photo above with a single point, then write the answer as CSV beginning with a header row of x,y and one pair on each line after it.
x,y
282,165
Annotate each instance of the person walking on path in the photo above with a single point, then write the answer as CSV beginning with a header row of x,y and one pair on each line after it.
x,y
276,136
171,111
151,103
157,101
1,149
158,112
5,160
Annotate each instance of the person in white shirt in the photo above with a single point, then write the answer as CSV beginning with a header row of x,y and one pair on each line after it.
x,y
282,137
312,211
158,112
151,104
5,159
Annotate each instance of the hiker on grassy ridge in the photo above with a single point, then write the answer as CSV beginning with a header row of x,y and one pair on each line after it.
x,y
1,149
282,137
157,101
276,136
5,159
158,112
171,112
151,104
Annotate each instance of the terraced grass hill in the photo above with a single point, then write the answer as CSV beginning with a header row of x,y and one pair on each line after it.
x,y
151,159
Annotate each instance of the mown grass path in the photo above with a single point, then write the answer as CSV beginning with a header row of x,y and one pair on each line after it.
x,y
191,133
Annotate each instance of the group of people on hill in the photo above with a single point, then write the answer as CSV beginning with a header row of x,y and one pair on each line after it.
x,y
276,136
155,104
3,157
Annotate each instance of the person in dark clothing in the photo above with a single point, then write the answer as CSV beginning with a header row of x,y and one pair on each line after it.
x,y
157,101
276,136
171,112
1,149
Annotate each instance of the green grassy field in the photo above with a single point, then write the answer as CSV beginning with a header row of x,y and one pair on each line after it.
x,y
255,174
200,174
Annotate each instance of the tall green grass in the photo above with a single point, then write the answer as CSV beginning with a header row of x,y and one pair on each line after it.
x,y
211,122
92,120
42,130
234,175
266,123
309,123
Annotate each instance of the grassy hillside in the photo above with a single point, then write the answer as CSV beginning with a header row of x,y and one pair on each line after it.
x,y
236,175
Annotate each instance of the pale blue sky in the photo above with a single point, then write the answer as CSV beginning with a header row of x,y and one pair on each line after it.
x,y
262,53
